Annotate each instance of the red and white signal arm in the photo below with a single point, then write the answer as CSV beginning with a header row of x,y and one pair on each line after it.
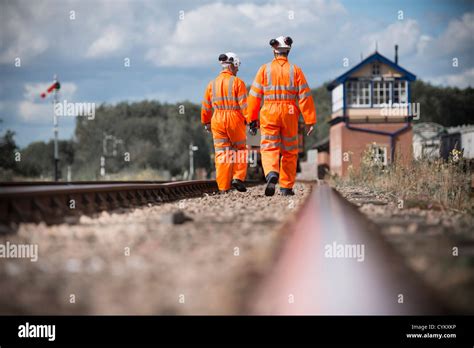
x,y
55,86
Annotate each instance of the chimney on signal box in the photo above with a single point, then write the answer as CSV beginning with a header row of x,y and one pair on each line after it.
x,y
396,54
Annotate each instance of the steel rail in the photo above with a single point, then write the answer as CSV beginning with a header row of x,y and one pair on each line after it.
x,y
52,203
319,271
58,183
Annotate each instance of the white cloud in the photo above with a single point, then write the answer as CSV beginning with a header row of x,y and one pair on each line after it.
x,y
323,30
109,42
434,59
19,40
405,33
100,28
424,42
431,57
33,90
461,80
245,28
38,110
457,38
32,112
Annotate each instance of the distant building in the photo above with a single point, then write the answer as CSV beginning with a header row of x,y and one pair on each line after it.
x,y
370,112
460,138
322,158
432,140
427,140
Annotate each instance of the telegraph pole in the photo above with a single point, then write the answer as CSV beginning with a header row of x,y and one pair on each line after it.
x,y
54,88
192,148
55,128
105,153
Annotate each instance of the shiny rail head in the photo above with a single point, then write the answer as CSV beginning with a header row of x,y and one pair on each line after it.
x,y
335,262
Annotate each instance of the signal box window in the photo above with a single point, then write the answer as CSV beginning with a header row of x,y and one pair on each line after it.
x,y
376,70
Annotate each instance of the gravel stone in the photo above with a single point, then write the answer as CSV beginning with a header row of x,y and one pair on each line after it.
x,y
426,235
134,263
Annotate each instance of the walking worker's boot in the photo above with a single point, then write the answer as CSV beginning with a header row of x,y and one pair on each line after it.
x,y
272,179
287,192
238,185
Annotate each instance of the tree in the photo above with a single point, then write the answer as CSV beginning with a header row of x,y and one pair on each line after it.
x,y
37,159
156,136
8,149
444,105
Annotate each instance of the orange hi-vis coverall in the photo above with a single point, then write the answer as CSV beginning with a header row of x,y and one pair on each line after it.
x,y
282,85
227,95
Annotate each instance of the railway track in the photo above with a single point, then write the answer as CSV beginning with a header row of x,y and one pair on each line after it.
x,y
331,258
53,202
72,183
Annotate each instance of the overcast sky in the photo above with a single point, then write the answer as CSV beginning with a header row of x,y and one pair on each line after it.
x,y
173,47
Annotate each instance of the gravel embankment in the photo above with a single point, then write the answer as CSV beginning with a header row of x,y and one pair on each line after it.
x,y
427,236
140,262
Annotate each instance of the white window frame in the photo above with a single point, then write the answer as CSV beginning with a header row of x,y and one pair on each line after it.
x,y
376,69
379,155
386,95
355,93
365,93
400,86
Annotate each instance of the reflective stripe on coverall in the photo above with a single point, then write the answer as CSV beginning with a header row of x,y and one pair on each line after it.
x,y
281,85
227,95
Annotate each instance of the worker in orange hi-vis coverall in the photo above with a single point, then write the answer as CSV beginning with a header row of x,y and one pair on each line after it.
x,y
227,95
285,94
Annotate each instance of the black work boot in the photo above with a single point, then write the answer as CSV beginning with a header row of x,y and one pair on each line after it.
x,y
238,185
287,192
272,179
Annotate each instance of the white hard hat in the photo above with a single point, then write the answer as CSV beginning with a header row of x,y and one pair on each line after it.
x,y
229,58
281,44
